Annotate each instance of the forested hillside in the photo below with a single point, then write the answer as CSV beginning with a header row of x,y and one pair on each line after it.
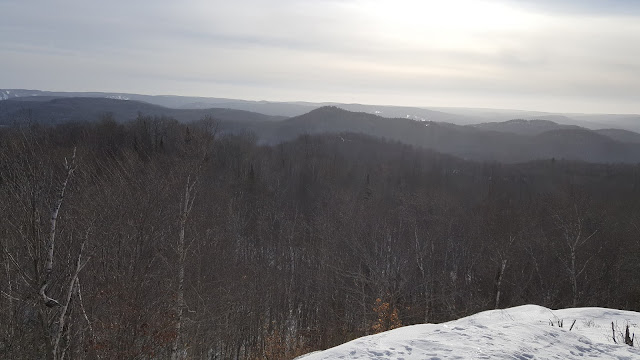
x,y
481,143
512,141
155,238
52,111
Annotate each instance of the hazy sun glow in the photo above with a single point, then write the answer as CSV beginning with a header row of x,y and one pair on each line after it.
x,y
446,24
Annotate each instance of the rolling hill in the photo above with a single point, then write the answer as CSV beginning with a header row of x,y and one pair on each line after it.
x,y
459,116
509,142
523,127
59,110
467,142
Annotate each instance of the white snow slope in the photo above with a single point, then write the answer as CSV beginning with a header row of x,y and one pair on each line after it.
x,y
522,332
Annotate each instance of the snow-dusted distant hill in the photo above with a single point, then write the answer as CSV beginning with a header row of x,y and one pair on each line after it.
x,y
522,333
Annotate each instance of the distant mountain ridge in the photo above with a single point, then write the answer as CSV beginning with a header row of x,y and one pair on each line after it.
x,y
509,142
467,142
45,110
459,116
621,135
524,127
536,127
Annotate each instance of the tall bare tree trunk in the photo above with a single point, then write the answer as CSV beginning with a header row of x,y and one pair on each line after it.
x,y
186,205
574,277
8,295
48,267
575,239
51,340
426,280
499,282
65,307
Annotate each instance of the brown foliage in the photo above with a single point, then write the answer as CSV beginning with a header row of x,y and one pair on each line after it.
x,y
387,317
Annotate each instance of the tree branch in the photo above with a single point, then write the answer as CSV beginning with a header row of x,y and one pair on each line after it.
x,y
65,308
48,268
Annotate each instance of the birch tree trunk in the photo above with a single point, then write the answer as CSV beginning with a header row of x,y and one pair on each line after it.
x,y
186,204
573,232
48,267
65,307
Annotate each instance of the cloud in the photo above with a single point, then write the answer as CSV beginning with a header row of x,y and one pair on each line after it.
x,y
497,53
581,7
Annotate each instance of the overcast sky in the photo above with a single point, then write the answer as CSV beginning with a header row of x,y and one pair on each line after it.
x,y
571,56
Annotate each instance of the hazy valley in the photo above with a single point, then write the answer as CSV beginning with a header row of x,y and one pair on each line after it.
x,y
513,140
221,232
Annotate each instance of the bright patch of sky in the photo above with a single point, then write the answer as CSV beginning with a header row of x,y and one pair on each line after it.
x,y
573,56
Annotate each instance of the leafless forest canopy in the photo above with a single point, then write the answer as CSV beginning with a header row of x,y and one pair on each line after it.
x,y
158,239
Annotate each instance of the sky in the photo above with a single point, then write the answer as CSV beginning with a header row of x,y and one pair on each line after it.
x,y
558,56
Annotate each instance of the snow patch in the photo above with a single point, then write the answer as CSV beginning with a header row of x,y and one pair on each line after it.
x,y
523,332
415,117
118,97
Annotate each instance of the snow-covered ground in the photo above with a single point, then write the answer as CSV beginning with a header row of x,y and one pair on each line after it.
x,y
522,332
